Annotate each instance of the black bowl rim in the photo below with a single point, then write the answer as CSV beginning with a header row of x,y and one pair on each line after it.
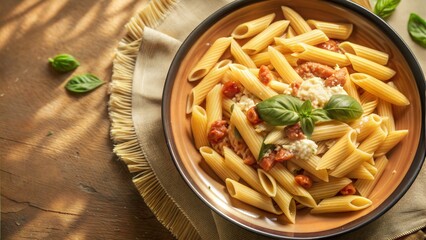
x,y
370,217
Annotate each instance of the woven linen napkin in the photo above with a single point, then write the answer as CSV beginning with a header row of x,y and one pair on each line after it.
x,y
143,59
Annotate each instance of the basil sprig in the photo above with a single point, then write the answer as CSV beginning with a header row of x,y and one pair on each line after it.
x,y
417,29
64,63
343,108
284,110
385,8
83,83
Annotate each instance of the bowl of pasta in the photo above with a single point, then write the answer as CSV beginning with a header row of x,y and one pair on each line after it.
x,y
296,119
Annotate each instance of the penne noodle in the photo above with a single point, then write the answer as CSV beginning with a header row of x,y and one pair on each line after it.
x,y
310,165
240,56
286,180
209,59
297,22
251,197
246,172
340,31
217,164
365,52
329,130
283,67
265,38
363,65
342,204
364,187
379,88
321,190
277,86
393,138
313,37
360,172
199,126
286,202
251,28
374,139
319,55
214,105
199,92
355,159
268,182
384,109
251,82
253,139
365,125
342,149
275,135
290,32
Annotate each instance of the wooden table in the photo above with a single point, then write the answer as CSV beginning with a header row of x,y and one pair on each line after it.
x,y
59,177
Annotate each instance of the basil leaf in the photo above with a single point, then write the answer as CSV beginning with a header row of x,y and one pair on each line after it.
x,y
64,63
279,110
307,125
320,115
306,109
385,8
263,149
83,83
417,29
343,108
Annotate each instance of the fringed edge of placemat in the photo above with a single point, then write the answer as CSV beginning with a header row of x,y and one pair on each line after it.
x,y
126,145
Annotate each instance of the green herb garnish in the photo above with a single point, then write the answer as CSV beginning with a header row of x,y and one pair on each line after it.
x,y
64,63
417,29
385,8
284,110
83,83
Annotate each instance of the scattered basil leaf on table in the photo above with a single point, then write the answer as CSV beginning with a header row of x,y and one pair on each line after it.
x,y
417,29
64,63
83,83
280,110
385,8
343,108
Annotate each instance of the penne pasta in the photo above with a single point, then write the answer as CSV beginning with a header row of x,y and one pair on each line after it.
x,y
310,165
251,82
297,22
240,56
199,92
286,179
199,126
365,52
360,172
340,31
363,65
283,67
393,138
266,37
251,197
365,125
321,190
342,204
253,139
329,130
286,202
342,149
364,187
354,160
313,37
268,182
252,28
379,88
209,59
217,164
214,105
319,55
247,173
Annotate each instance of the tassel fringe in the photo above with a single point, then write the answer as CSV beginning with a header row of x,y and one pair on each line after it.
x,y
126,145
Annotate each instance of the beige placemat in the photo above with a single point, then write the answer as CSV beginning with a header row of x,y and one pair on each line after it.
x,y
140,66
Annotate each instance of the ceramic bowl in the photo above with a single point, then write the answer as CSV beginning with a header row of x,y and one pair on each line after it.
x,y
405,160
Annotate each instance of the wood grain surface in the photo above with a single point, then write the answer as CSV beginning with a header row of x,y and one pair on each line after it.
x,y
59,177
